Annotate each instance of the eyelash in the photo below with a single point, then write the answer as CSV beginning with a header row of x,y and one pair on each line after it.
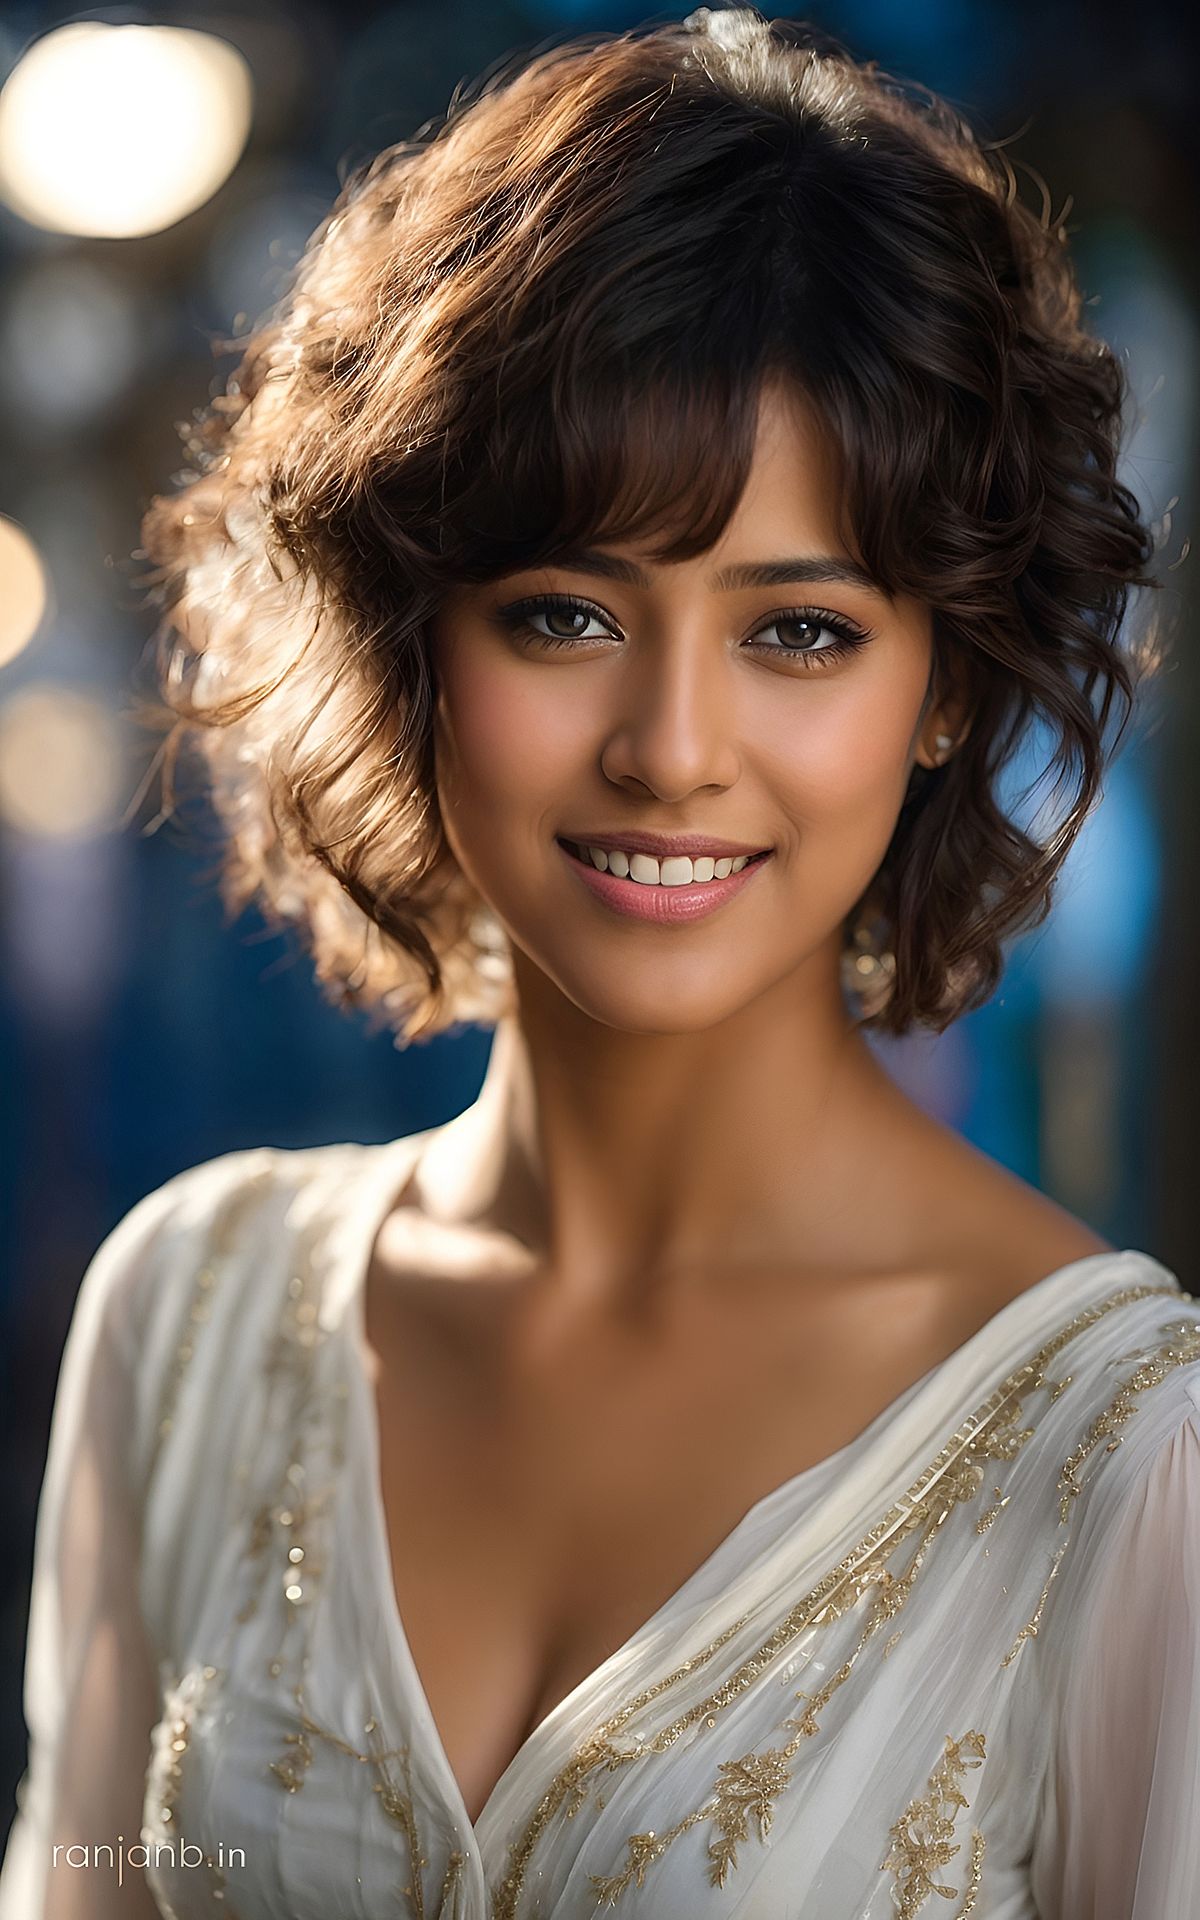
x,y
515,619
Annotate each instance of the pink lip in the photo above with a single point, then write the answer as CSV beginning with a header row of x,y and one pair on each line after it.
x,y
667,905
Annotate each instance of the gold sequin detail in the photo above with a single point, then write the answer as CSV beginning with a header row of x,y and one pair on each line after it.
x,y
993,1512
300,1404
165,1773
923,1837
954,1477
283,1530
316,1444
283,1521
292,1770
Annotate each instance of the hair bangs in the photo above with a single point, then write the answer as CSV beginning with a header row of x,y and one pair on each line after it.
x,y
661,465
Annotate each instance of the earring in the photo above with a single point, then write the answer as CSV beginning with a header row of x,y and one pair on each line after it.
x,y
868,966
943,742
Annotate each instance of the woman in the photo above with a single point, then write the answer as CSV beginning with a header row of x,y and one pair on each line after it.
x,y
693,1481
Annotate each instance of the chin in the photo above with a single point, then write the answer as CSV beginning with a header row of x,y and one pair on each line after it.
x,y
655,1004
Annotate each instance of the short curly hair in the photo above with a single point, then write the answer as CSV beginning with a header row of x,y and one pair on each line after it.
x,y
548,319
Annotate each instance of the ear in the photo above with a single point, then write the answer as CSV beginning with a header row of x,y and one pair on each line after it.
x,y
947,720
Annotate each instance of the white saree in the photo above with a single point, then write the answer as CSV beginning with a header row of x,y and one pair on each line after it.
x,y
955,1666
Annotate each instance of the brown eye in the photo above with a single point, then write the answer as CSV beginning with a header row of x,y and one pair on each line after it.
x,y
566,620
804,633
842,637
565,623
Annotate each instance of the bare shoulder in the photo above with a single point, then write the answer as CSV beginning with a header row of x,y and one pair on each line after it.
x,y
1000,1228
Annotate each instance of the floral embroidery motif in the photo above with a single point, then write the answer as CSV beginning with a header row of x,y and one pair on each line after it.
x,y
954,1478
746,1790
923,1837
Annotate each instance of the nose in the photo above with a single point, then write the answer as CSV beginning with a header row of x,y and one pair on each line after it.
x,y
672,729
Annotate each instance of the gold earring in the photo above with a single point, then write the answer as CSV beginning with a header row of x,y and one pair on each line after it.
x,y
869,966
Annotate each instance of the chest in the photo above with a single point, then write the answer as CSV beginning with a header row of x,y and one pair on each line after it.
x,y
531,1530
540,1509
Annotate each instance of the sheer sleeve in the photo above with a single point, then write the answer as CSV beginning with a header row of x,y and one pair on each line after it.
x,y
1120,1834
91,1693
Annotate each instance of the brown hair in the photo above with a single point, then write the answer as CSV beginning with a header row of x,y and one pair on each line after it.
x,y
549,318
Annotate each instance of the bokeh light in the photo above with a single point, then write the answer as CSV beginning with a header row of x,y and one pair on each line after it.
x,y
61,767
72,337
23,590
115,131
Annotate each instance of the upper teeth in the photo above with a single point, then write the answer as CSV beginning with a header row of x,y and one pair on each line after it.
x,y
677,871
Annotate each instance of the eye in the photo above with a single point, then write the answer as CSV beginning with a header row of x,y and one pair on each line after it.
x,y
809,621
568,619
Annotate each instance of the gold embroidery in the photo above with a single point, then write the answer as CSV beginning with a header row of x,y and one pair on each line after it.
x,y
301,1400
397,1804
746,1789
287,1521
171,1739
1031,1626
1182,1347
172,1736
223,1233
1001,1498
181,1700
395,1800
197,1315
309,1401
292,1771
952,1478
922,1837
978,1845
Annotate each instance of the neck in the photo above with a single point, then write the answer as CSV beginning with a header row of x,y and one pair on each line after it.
x,y
618,1163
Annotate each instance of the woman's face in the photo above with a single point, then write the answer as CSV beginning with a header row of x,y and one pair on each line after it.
x,y
756,695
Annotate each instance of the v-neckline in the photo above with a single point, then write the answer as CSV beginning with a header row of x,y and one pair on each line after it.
x,y
349,1292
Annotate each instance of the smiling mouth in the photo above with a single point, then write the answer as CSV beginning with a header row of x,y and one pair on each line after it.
x,y
673,871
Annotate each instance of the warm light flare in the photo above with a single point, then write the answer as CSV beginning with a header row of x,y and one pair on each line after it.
x,y
23,590
115,131
60,762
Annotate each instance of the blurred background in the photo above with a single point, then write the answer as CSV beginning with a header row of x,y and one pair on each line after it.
x,y
160,172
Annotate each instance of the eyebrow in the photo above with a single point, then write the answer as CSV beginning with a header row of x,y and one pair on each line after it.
x,y
826,568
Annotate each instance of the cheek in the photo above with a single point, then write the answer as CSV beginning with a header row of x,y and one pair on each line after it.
x,y
840,760
501,740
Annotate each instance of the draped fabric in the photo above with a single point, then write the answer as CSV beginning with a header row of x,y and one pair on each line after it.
x,y
954,1667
